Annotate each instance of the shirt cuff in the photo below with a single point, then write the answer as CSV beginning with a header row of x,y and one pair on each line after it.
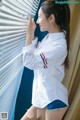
x,y
34,42
31,47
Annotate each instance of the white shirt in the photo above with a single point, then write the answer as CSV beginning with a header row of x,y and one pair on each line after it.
x,y
47,61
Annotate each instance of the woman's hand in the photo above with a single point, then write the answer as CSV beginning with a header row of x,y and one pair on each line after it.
x,y
30,31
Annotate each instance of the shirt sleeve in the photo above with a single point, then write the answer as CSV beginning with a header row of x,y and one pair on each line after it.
x,y
50,57
34,44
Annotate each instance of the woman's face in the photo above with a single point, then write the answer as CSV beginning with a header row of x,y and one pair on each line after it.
x,y
42,21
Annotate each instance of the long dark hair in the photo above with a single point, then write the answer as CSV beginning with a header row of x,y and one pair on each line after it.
x,y
62,18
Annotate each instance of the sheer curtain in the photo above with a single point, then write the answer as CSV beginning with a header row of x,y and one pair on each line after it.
x,y
13,24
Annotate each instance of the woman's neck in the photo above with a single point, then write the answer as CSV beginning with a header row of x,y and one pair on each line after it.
x,y
54,29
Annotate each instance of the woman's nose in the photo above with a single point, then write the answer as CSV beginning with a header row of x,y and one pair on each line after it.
x,y
37,21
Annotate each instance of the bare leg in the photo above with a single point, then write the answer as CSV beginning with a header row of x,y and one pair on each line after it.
x,y
30,114
33,114
55,114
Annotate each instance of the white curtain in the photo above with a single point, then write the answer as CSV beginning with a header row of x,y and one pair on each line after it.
x,y
13,24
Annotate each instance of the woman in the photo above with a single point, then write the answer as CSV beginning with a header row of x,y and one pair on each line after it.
x,y
48,60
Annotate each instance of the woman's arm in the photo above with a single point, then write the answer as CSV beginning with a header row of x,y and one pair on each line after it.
x,y
54,56
30,31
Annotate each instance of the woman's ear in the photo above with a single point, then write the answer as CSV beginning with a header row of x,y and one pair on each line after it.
x,y
52,18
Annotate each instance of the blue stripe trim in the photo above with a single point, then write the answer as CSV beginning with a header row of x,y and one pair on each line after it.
x,y
57,104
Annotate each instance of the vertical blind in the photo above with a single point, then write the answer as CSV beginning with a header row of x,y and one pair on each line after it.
x,y
13,24
13,27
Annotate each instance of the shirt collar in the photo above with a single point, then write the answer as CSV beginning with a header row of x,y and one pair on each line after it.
x,y
57,35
